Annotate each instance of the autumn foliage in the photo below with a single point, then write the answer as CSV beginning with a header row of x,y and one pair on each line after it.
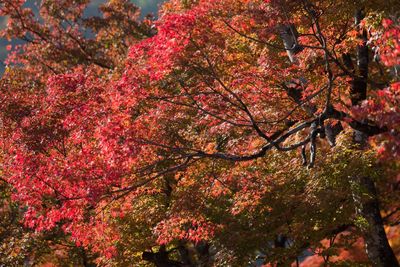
x,y
221,132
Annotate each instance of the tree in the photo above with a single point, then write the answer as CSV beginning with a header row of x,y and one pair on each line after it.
x,y
193,151
22,246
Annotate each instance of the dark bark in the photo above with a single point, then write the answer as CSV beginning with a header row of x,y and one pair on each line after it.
x,y
160,258
185,255
199,255
86,262
331,131
359,84
203,253
364,127
376,244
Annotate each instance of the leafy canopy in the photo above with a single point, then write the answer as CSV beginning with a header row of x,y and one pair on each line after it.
x,y
186,131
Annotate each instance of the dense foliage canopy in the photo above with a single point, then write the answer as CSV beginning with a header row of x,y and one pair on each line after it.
x,y
224,133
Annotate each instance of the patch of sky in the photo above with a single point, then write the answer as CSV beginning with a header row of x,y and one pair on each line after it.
x,y
147,7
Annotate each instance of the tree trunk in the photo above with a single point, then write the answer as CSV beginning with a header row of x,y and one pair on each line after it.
x,y
160,258
376,244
